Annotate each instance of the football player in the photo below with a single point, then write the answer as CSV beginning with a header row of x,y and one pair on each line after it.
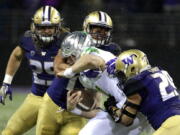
x,y
100,26
93,58
53,118
149,90
39,45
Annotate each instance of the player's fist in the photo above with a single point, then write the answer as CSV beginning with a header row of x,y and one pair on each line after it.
x,y
111,108
111,66
73,99
5,91
110,102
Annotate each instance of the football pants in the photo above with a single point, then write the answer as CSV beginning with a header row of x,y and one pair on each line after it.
x,y
53,120
25,117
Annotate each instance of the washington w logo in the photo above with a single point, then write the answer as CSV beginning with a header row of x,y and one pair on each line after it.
x,y
129,60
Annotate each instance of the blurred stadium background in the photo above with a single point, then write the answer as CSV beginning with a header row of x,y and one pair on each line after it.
x,y
150,25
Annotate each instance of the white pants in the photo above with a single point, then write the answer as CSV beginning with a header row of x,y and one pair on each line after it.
x,y
103,124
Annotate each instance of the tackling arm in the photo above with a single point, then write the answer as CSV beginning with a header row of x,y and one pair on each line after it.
x,y
59,64
86,61
74,98
130,109
127,113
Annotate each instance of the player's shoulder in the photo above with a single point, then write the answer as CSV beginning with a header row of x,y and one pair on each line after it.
x,y
26,35
135,84
26,40
90,50
61,37
112,47
140,81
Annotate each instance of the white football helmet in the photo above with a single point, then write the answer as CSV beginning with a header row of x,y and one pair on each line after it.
x,y
74,43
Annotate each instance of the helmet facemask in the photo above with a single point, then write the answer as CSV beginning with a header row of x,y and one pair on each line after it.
x,y
46,38
101,35
99,20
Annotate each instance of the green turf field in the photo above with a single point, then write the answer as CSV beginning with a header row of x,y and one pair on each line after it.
x,y
10,107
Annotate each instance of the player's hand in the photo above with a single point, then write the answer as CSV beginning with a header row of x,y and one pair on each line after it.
x,y
60,74
68,73
111,66
110,106
73,99
5,91
111,101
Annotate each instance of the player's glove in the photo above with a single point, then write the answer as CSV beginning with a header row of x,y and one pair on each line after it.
x,y
111,66
110,106
5,91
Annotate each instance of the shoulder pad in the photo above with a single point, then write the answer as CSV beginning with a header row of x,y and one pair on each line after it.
x,y
61,36
115,48
28,33
133,86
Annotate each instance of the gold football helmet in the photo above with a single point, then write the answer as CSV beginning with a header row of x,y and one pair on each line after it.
x,y
46,17
131,62
102,20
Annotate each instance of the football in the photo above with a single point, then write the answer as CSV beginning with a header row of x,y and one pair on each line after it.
x,y
88,99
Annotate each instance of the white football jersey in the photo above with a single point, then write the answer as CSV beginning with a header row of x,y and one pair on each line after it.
x,y
98,80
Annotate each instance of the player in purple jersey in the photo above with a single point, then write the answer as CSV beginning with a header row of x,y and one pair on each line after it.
x,y
150,90
53,118
39,45
100,26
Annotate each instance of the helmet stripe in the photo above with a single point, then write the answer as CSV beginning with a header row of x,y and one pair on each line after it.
x,y
99,16
43,14
49,13
103,17
46,13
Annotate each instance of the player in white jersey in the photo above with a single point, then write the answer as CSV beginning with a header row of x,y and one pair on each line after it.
x,y
96,59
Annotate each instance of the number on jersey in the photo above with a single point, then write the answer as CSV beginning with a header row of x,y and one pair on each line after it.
x,y
165,83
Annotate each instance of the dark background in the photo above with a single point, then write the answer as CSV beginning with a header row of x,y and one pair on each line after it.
x,y
150,25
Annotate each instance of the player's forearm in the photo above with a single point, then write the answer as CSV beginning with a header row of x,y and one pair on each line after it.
x,y
87,62
132,107
13,64
90,114
14,61
59,64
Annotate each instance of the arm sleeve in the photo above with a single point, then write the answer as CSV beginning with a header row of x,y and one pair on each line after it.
x,y
133,86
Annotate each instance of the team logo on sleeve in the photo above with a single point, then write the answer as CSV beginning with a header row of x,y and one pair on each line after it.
x,y
32,53
129,60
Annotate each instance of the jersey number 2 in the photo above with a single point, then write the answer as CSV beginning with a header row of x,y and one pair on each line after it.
x,y
166,82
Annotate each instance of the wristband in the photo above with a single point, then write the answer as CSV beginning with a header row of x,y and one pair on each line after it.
x,y
8,79
76,111
68,73
121,103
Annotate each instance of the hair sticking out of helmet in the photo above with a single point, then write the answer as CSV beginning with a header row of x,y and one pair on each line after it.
x,y
74,43
132,62
99,25
45,25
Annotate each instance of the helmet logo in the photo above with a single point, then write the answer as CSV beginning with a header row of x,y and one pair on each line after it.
x,y
129,60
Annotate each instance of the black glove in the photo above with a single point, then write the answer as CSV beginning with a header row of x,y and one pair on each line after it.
x,y
110,106
110,102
